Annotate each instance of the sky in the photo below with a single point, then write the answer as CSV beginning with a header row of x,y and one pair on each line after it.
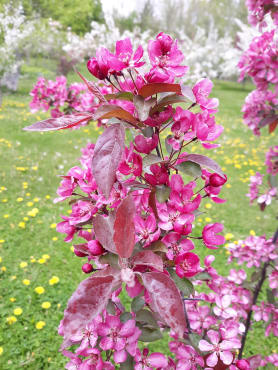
x,y
124,7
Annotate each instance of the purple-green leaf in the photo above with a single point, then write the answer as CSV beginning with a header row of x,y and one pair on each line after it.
x,y
60,123
203,160
107,156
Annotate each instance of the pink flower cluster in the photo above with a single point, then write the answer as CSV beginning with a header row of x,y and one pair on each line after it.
x,y
59,97
271,160
259,8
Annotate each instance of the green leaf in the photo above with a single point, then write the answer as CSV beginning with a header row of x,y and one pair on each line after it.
x,y
128,364
194,339
273,181
184,285
148,131
137,304
158,246
120,96
149,335
126,316
110,308
270,296
150,159
147,318
162,193
168,146
202,276
190,168
110,259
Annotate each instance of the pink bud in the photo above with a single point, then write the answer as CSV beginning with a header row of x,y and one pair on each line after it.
x,y
79,254
95,248
87,268
216,180
243,364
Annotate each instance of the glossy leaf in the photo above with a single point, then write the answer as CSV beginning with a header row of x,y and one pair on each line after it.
x,y
92,87
143,106
120,96
104,230
149,335
188,93
124,229
205,161
128,364
125,316
60,123
190,168
146,317
268,120
150,159
110,259
158,246
137,304
111,111
194,340
166,300
162,193
87,302
155,88
152,202
273,180
202,276
107,156
148,258
168,147
184,285
272,126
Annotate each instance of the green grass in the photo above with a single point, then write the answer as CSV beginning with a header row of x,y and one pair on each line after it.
x,y
30,167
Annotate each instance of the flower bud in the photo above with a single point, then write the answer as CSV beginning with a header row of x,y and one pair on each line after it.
x,y
216,180
87,268
79,254
95,248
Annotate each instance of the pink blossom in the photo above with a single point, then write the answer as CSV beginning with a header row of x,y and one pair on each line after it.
x,y
146,361
146,229
273,279
145,144
188,358
176,245
211,240
271,160
187,264
222,307
238,276
159,175
124,53
218,348
201,91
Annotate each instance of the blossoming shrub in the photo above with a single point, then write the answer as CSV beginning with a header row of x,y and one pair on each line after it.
x,y
133,211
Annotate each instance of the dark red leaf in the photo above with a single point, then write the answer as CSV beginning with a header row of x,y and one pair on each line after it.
x,y
107,156
152,202
59,123
122,95
166,300
104,230
143,106
268,120
272,126
124,230
155,88
110,111
148,258
205,161
87,302
92,87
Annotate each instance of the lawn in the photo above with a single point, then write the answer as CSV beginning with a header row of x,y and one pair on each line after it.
x,y
38,271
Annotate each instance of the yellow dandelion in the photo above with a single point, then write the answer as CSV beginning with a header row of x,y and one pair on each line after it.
x,y
26,282
12,299
6,216
19,199
23,264
54,280
40,325
21,225
229,236
13,277
39,290
41,261
3,268
252,232
46,305
52,226
0,259
46,256
55,238
29,204
47,197
11,320
36,199
208,219
18,311
1,351
208,205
